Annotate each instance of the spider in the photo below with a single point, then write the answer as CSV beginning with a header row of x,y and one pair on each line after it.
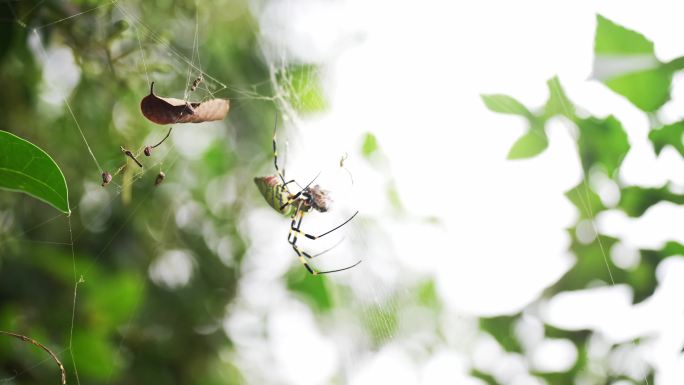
x,y
277,194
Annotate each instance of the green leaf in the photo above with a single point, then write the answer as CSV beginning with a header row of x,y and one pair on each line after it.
x,y
648,90
588,203
614,39
594,263
590,265
625,62
369,146
602,142
529,145
635,200
505,105
670,135
558,103
672,248
26,168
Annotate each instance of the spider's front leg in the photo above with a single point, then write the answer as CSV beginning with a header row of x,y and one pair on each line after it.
x,y
281,174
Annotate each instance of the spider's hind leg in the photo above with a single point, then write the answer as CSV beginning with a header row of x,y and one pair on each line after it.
x,y
303,256
314,237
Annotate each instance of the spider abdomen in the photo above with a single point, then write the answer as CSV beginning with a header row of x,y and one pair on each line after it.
x,y
275,194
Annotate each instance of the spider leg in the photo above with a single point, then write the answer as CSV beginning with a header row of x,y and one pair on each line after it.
x,y
326,250
292,236
327,232
281,174
292,239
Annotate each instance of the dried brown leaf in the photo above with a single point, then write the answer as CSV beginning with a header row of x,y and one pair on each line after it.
x,y
171,110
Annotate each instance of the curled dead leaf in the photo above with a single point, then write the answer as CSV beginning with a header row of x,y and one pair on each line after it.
x,y
171,110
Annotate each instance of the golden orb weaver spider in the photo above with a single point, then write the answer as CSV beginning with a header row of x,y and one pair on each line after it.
x,y
274,189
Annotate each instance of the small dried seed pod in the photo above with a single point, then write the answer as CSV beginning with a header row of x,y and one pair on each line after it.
x,y
106,178
160,178
148,151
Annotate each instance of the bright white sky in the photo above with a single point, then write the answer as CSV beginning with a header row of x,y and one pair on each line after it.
x,y
412,73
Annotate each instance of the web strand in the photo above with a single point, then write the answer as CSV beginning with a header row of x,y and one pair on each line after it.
x,y
68,106
73,308
587,203
76,15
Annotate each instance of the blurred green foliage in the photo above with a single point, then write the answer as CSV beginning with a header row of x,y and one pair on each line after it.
x,y
602,145
304,91
313,291
501,328
127,329
668,135
535,140
369,146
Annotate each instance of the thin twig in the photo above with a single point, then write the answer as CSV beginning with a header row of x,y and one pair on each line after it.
x,y
130,155
162,141
38,344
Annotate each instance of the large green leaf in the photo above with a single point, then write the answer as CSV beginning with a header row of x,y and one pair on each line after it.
x,y
602,142
614,39
625,62
25,167
647,90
